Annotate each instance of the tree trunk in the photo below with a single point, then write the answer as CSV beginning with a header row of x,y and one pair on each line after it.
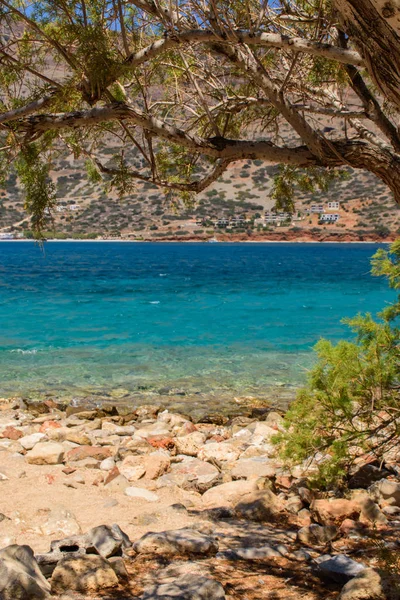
x,y
374,28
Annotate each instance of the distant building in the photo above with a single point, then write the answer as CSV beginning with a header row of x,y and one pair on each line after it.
x,y
333,205
6,236
73,207
271,217
222,223
317,208
329,217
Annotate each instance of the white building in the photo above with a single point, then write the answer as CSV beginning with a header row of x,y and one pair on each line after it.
x,y
330,218
73,207
6,236
317,208
277,217
333,205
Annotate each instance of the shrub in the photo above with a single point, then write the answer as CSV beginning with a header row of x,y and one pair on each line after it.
x,y
351,403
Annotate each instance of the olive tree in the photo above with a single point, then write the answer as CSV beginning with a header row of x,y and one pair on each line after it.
x,y
182,89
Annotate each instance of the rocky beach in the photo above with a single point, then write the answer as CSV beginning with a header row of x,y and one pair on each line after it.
x,y
107,503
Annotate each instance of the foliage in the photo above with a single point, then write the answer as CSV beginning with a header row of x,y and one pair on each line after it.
x,y
191,87
351,404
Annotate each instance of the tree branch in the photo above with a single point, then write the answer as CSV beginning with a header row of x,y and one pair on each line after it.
x,y
266,40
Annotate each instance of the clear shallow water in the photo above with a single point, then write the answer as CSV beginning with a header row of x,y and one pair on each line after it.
x,y
214,321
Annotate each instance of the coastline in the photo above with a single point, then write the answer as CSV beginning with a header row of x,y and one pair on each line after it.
x,y
204,241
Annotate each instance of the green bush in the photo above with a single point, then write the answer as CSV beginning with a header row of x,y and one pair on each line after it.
x,y
351,403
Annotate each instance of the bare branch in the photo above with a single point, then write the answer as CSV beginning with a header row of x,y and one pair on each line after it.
x,y
266,40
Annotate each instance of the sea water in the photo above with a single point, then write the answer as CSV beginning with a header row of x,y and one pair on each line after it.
x,y
204,323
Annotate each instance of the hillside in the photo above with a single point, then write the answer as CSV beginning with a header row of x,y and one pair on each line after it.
x,y
367,210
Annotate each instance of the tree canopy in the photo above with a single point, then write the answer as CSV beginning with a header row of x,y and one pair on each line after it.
x,y
172,84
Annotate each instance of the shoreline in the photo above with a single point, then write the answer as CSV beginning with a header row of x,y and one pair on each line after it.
x,y
200,241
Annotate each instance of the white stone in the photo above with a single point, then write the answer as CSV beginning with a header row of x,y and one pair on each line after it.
x,y
135,492
29,441
107,464
46,453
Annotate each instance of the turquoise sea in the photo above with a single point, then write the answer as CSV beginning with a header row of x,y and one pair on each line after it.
x,y
210,324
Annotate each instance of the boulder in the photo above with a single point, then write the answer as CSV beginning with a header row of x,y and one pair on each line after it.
x,y
247,468
317,535
259,506
20,575
386,492
97,452
29,441
188,587
228,494
190,444
176,542
46,453
114,429
333,510
366,475
60,522
107,541
294,505
151,430
339,568
88,573
367,585
222,451
191,474
150,466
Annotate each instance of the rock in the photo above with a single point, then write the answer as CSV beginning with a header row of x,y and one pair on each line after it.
x,y
367,585
119,483
247,468
107,464
147,411
190,444
176,542
97,452
222,451
151,430
156,464
229,493
188,587
259,506
366,475
46,453
304,517
3,477
89,573
260,553
29,441
294,505
20,575
78,437
151,467
317,535
135,492
11,433
48,425
131,469
386,492
334,510
60,522
370,511
339,568
107,541
114,429
261,431
191,474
